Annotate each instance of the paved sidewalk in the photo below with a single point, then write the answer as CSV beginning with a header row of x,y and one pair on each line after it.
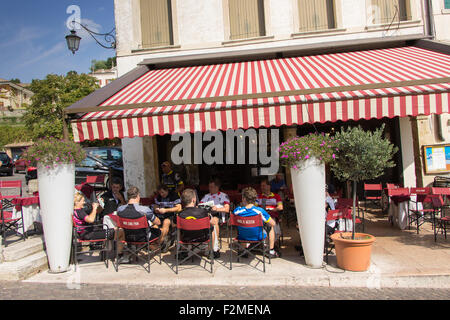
x,y
400,259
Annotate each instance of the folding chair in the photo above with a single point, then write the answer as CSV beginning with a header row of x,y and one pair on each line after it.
x,y
417,216
8,223
441,223
331,215
373,192
134,247
193,225
78,243
347,203
248,222
94,181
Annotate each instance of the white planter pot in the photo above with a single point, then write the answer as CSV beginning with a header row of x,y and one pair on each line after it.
x,y
56,193
309,192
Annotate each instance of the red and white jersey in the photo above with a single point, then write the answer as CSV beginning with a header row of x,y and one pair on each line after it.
x,y
219,199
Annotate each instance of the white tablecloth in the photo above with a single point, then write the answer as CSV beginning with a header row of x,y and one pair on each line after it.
x,y
399,213
31,214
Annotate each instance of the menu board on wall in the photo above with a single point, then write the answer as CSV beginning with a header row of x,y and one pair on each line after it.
x,y
437,158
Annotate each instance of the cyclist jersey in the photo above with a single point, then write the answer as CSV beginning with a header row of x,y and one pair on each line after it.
x,y
172,180
219,199
252,233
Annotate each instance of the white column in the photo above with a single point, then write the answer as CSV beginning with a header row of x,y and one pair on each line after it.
x,y
407,144
140,163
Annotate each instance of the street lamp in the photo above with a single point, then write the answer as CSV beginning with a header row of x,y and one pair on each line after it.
x,y
73,40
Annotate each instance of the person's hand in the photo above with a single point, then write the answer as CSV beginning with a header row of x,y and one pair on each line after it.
x,y
161,210
214,208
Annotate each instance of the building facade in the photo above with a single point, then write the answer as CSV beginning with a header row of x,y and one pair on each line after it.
x,y
13,97
104,76
170,33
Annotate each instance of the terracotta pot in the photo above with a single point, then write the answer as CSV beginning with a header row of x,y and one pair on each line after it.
x,y
353,255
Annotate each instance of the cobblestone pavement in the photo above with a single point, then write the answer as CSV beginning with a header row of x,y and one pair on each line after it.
x,y
37,291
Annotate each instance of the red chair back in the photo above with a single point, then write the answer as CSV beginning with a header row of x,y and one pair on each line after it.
x,y
246,222
95,179
334,215
398,192
193,224
372,187
438,202
420,191
440,191
13,184
132,224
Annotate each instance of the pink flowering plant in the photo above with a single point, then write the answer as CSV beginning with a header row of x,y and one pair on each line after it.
x,y
52,151
318,145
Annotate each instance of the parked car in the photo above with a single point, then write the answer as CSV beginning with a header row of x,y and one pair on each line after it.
x,y
20,164
6,164
105,161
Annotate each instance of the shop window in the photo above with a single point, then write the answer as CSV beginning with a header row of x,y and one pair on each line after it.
x,y
156,23
387,11
315,15
246,19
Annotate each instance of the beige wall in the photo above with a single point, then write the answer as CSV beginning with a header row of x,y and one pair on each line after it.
x,y
427,131
201,26
442,20
13,97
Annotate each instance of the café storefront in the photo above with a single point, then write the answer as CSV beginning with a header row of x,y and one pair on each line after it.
x,y
297,94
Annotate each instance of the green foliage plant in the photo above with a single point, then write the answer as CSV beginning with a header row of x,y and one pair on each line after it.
x,y
362,155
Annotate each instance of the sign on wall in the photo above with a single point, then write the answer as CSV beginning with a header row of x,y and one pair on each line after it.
x,y
437,158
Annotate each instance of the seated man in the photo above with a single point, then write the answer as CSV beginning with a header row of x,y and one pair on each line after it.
x,y
269,201
249,209
167,204
113,198
191,211
133,210
221,205
83,220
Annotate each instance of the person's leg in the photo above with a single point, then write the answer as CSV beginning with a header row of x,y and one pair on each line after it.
x,y
215,233
271,238
164,229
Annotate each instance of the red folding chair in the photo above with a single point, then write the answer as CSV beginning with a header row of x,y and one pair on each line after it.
x,y
441,223
78,244
373,193
248,222
10,190
134,247
347,203
417,216
98,183
190,246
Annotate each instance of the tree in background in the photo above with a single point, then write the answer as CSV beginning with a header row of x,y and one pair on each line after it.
x,y
10,134
16,81
44,117
103,64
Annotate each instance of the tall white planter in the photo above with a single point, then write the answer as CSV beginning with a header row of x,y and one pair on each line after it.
x,y
309,192
56,193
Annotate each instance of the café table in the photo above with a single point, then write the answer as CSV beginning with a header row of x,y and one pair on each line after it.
x,y
400,203
29,208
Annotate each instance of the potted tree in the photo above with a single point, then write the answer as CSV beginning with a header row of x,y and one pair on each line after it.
x,y
306,156
55,160
362,155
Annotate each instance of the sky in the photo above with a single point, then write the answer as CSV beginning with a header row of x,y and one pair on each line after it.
x,y
32,37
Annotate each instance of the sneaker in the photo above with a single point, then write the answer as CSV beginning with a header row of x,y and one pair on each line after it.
x,y
165,246
272,255
124,259
216,254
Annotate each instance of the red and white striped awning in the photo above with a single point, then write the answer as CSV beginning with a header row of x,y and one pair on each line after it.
x,y
201,98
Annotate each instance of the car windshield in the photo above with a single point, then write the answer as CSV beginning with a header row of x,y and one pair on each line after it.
x,y
106,155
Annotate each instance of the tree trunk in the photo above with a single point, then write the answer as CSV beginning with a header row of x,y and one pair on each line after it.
x,y
354,210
